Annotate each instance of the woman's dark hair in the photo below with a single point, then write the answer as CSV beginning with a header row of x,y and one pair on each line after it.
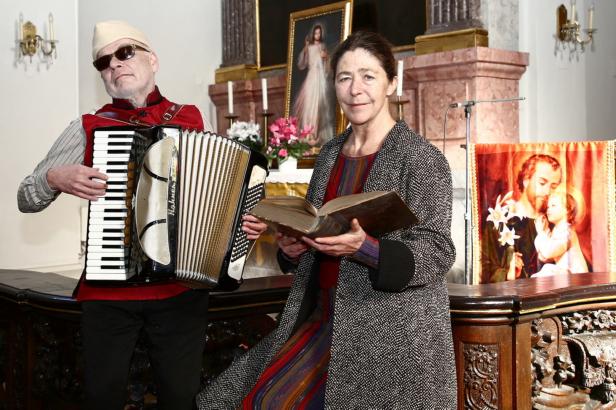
x,y
374,43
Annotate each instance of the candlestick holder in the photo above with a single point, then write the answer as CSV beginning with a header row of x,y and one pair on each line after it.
x,y
400,106
265,128
231,117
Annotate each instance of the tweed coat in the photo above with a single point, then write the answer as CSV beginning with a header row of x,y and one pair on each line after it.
x,y
390,349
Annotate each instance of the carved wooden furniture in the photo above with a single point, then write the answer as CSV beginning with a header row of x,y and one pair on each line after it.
x,y
533,343
541,343
40,342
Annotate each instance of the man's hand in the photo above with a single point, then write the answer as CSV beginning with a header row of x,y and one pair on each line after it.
x,y
253,227
341,245
77,180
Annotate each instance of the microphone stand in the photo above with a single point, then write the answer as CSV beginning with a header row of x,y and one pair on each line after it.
x,y
468,222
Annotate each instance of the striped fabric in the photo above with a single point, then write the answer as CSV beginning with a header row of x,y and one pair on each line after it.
x,y
295,378
347,177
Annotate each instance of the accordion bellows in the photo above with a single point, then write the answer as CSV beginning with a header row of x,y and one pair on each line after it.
x,y
192,189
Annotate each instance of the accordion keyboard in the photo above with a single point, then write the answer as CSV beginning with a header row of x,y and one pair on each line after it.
x,y
109,223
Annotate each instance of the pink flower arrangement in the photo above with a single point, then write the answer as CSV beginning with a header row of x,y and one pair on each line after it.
x,y
287,140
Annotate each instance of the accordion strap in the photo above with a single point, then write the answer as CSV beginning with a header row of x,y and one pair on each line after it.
x,y
133,119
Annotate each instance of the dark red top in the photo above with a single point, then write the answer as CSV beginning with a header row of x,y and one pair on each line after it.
x,y
348,177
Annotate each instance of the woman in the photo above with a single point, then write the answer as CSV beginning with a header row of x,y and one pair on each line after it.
x,y
311,106
366,324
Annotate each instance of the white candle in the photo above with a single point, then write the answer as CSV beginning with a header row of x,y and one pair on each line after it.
x,y
264,92
51,33
591,12
399,89
573,12
230,95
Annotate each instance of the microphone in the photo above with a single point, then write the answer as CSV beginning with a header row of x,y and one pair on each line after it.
x,y
470,103
462,104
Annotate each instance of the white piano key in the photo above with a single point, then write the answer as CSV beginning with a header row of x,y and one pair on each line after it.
x,y
108,276
94,207
100,255
97,241
97,269
98,263
100,249
108,224
100,214
98,235
104,229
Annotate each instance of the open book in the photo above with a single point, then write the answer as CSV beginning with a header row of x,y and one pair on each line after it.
x,y
378,212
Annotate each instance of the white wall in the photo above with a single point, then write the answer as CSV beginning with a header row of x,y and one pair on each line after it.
x,y
37,103
570,95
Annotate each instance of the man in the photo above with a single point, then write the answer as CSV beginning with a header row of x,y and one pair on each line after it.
x,y
539,176
172,316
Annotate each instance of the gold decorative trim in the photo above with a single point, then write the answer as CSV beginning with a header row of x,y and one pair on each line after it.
x,y
345,23
236,73
451,40
476,249
272,67
610,170
406,47
536,309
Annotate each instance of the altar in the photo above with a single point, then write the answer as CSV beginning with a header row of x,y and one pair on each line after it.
x,y
532,343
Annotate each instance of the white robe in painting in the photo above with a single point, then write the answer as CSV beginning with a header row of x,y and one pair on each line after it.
x,y
311,106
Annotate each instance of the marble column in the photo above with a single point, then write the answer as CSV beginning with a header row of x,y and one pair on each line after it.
x,y
450,15
239,41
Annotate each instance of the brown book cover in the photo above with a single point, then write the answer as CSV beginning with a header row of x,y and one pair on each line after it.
x,y
378,212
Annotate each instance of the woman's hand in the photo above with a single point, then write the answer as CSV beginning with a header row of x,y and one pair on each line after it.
x,y
291,246
253,227
341,245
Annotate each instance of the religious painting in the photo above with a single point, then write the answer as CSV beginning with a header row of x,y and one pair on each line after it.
x,y
543,209
310,95
400,28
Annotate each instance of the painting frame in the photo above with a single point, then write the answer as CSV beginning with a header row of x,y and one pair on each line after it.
x,y
334,21
586,178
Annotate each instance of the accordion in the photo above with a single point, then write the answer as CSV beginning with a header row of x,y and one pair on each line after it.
x,y
173,207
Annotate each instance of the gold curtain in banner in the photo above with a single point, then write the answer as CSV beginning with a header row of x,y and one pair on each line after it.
x,y
543,209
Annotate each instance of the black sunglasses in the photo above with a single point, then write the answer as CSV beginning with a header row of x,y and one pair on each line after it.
x,y
123,53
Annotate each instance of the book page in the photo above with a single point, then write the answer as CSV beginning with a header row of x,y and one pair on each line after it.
x,y
348,201
290,202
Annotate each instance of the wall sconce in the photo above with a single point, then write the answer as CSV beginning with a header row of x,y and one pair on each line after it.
x,y
30,43
568,30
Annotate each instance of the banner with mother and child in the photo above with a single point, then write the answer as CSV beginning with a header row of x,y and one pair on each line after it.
x,y
543,209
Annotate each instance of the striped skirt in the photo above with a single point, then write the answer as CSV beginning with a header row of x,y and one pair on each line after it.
x,y
295,378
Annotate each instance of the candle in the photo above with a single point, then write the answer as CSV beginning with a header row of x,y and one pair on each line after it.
x,y
399,89
264,92
51,33
591,12
230,95
573,13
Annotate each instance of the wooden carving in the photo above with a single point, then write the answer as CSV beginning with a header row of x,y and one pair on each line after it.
x,y
481,376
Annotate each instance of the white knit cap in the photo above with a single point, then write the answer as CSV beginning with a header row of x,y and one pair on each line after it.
x,y
106,32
